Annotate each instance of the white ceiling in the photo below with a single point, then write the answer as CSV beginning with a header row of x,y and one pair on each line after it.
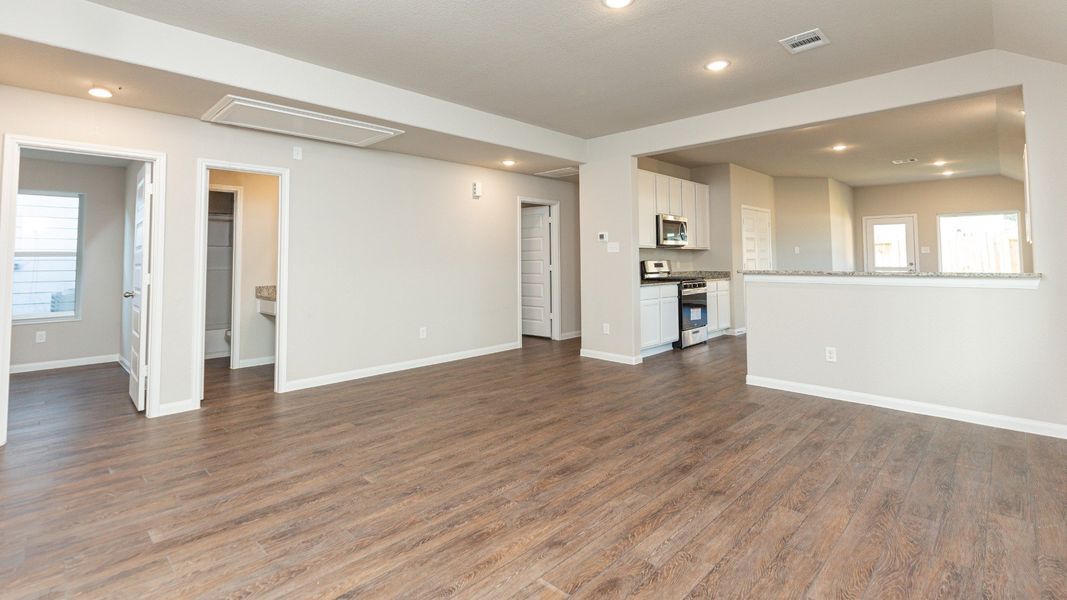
x,y
577,67
981,135
55,70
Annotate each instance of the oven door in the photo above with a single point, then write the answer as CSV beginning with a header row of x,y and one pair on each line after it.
x,y
673,230
693,309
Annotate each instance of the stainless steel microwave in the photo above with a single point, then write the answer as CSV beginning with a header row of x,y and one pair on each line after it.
x,y
672,230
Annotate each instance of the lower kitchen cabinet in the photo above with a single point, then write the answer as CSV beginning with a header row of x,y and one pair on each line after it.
x,y
659,315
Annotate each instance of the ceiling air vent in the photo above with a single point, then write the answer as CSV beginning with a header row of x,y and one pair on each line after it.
x,y
802,42
558,173
287,120
905,161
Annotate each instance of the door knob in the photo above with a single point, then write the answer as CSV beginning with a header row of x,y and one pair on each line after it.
x,y
127,294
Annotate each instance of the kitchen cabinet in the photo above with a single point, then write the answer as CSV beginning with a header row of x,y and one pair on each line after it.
x,y
659,315
718,306
661,194
646,206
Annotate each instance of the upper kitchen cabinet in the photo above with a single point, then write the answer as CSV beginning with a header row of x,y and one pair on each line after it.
x,y
662,194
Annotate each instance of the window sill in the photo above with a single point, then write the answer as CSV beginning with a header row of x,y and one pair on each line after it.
x,y
44,320
1017,281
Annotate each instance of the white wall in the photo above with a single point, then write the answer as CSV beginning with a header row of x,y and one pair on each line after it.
x,y
259,258
927,199
802,222
842,228
364,226
98,331
1015,369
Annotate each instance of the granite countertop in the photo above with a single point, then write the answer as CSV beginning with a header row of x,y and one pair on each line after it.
x,y
894,274
677,276
267,292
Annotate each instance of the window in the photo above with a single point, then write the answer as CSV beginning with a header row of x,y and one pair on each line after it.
x,y
889,243
47,245
980,243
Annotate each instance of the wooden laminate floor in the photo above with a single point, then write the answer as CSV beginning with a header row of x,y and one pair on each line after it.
x,y
526,474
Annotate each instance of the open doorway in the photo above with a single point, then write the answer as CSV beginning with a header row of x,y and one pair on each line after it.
x,y
242,214
540,290
78,233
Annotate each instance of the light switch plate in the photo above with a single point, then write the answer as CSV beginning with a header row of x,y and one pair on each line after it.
x,y
602,236
298,153
613,247
925,250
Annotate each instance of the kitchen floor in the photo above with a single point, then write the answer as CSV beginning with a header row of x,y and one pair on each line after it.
x,y
530,473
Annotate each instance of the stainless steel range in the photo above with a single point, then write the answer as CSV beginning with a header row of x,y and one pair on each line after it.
x,y
692,302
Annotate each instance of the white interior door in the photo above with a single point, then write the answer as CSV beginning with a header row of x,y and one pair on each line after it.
x,y
138,296
889,244
756,245
536,271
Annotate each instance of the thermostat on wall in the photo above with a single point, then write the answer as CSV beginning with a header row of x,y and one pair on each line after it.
x,y
476,190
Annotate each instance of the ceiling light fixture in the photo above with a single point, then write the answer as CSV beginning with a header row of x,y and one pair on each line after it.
x,y
617,3
940,163
717,65
99,92
840,148
508,163
1022,112
948,173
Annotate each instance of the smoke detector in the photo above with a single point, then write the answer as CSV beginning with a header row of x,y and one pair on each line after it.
x,y
559,173
802,42
905,161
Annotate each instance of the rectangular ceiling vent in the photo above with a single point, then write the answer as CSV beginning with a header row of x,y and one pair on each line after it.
x,y
905,161
802,42
288,120
558,173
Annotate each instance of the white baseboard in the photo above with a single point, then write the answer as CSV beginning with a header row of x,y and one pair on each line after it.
x,y
173,408
608,356
255,362
311,382
219,354
738,331
570,335
657,350
63,364
922,408
125,364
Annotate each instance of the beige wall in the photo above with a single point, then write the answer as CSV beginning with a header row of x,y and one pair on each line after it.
x,y
348,268
842,232
747,188
802,223
931,198
98,331
259,258
647,163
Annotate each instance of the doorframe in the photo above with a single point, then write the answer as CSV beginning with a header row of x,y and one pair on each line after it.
x,y
770,225
235,270
555,277
914,242
13,146
203,184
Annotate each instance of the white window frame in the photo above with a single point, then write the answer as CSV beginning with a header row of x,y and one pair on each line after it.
x,y
78,263
1018,221
868,257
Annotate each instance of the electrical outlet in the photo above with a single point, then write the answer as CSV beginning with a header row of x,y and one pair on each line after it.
x,y
796,249
607,328
831,354
42,337
298,153
423,333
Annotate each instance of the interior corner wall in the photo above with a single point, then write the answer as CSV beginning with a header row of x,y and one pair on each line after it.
x,y
927,199
842,228
97,332
364,224
259,258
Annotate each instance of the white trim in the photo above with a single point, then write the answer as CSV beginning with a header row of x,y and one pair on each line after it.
x,y
867,258
235,273
555,279
321,380
254,362
203,166
737,331
911,406
654,350
609,357
570,335
79,260
13,145
220,354
173,408
66,362
125,363
903,280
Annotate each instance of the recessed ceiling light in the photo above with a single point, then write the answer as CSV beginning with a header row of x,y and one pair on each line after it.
x,y
948,173
99,92
508,163
1022,112
717,65
617,3
840,148
940,163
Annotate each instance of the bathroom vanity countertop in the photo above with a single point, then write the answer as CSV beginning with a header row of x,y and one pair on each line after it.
x,y
267,292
